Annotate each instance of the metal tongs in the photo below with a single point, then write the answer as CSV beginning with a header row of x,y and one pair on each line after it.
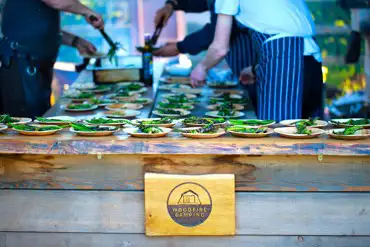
x,y
157,32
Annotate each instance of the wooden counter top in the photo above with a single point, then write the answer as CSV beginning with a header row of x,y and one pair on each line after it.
x,y
121,143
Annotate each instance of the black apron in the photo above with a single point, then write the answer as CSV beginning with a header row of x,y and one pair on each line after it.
x,y
28,51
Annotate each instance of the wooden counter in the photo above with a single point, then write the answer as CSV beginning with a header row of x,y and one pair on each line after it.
x,y
64,190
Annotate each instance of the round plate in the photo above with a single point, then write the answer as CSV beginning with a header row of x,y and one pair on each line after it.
x,y
123,114
96,90
291,123
217,93
3,127
219,133
197,125
107,124
126,84
225,84
342,121
187,91
67,120
232,96
132,132
264,125
128,98
252,135
129,106
290,132
189,96
191,107
174,87
110,102
95,133
361,134
169,125
22,120
93,107
38,133
184,113
178,80
236,107
214,114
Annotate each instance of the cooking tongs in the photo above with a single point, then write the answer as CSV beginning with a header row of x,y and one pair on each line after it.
x,y
105,35
157,32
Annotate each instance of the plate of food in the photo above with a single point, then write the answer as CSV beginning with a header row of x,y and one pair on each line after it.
x,y
6,119
349,133
125,96
205,132
252,122
122,114
228,105
226,97
196,91
176,80
173,86
102,102
250,132
133,87
148,131
360,122
180,98
218,93
201,121
171,113
80,107
57,120
222,84
141,101
97,89
181,95
225,113
36,129
241,101
92,130
81,97
127,106
107,121
165,122
301,131
181,106
3,127
312,122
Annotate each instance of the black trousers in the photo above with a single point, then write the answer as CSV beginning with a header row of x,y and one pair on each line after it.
x,y
313,89
22,94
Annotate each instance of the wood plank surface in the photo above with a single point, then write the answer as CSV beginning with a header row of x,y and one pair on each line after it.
x,y
116,212
137,240
126,172
121,143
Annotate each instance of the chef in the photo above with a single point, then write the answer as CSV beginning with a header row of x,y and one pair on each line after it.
x,y
240,54
31,36
282,33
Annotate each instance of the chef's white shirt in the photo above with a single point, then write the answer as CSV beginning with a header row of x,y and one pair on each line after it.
x,y
281,18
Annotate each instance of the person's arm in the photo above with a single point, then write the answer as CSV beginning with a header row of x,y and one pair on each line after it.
x,y
74,6
82,45
216,51
199,41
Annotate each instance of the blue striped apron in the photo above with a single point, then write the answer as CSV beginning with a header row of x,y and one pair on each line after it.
x,y
279,76
241,56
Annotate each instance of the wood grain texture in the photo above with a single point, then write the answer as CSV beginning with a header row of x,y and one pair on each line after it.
x,y
126,172
121,143
189,205
116,212
137,240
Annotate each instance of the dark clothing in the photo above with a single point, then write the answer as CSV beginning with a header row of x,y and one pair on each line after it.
x,y
28,51
313,89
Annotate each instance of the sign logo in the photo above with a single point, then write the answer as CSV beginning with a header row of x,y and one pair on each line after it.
x,y
189,204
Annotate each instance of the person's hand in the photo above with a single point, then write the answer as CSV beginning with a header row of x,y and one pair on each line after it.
x,y
169,50
85,47
198,75
95,20
247,77
163,14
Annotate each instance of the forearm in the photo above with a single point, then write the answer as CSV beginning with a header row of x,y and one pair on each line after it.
x,y
68,38
71,6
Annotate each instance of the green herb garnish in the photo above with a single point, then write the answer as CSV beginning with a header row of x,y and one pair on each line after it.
x,y
147,129
241,129
49,120
196,120
166,120
302,129
208,129
107,121
6,119
26,127
251,122
170,111
309,122
353,122
348,131
86,128
79,106
174,106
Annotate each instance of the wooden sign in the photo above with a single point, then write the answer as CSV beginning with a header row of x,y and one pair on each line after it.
x,y
189,205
